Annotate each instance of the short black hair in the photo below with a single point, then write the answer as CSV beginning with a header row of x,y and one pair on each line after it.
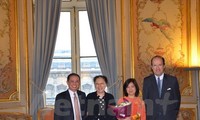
x,y
127,82
158,56
100,76
72,74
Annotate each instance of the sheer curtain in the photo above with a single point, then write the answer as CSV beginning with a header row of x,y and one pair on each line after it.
x,y
47,14
102,19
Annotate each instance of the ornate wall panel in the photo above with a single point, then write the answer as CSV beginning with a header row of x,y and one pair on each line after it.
x,y
160,28
9,88
187,114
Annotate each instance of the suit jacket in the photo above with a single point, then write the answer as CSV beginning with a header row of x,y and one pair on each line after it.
x,y
63,106
165,107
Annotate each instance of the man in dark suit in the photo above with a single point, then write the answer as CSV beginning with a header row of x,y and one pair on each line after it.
x,y
65,102
161,92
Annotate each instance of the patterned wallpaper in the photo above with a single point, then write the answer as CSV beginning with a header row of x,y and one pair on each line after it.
x,y
8,51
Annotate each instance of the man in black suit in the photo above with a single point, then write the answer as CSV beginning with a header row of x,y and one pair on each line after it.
x,y
64,103
161,92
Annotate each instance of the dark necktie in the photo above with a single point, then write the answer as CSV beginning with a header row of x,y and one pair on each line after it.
x,y
159,87
76,107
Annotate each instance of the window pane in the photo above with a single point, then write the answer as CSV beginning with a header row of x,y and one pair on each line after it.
x,y
56,83
86,42
63,43
59,65
89,69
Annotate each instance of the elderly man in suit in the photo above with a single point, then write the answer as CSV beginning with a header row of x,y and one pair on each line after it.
x,y
66,107
161,92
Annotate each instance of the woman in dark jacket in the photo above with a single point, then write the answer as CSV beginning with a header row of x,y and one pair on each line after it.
x,y
98,102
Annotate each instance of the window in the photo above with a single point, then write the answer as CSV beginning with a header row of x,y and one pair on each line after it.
x,y
74,52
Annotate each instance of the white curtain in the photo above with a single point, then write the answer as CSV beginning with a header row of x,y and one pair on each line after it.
x,y
47,14
102,19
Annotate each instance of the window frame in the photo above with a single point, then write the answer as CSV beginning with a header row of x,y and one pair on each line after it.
x,y
75,41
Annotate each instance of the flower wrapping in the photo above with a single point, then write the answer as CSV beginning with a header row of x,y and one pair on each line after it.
x,y
122,110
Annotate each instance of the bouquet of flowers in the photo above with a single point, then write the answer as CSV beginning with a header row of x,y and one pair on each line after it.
x,y
122,110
